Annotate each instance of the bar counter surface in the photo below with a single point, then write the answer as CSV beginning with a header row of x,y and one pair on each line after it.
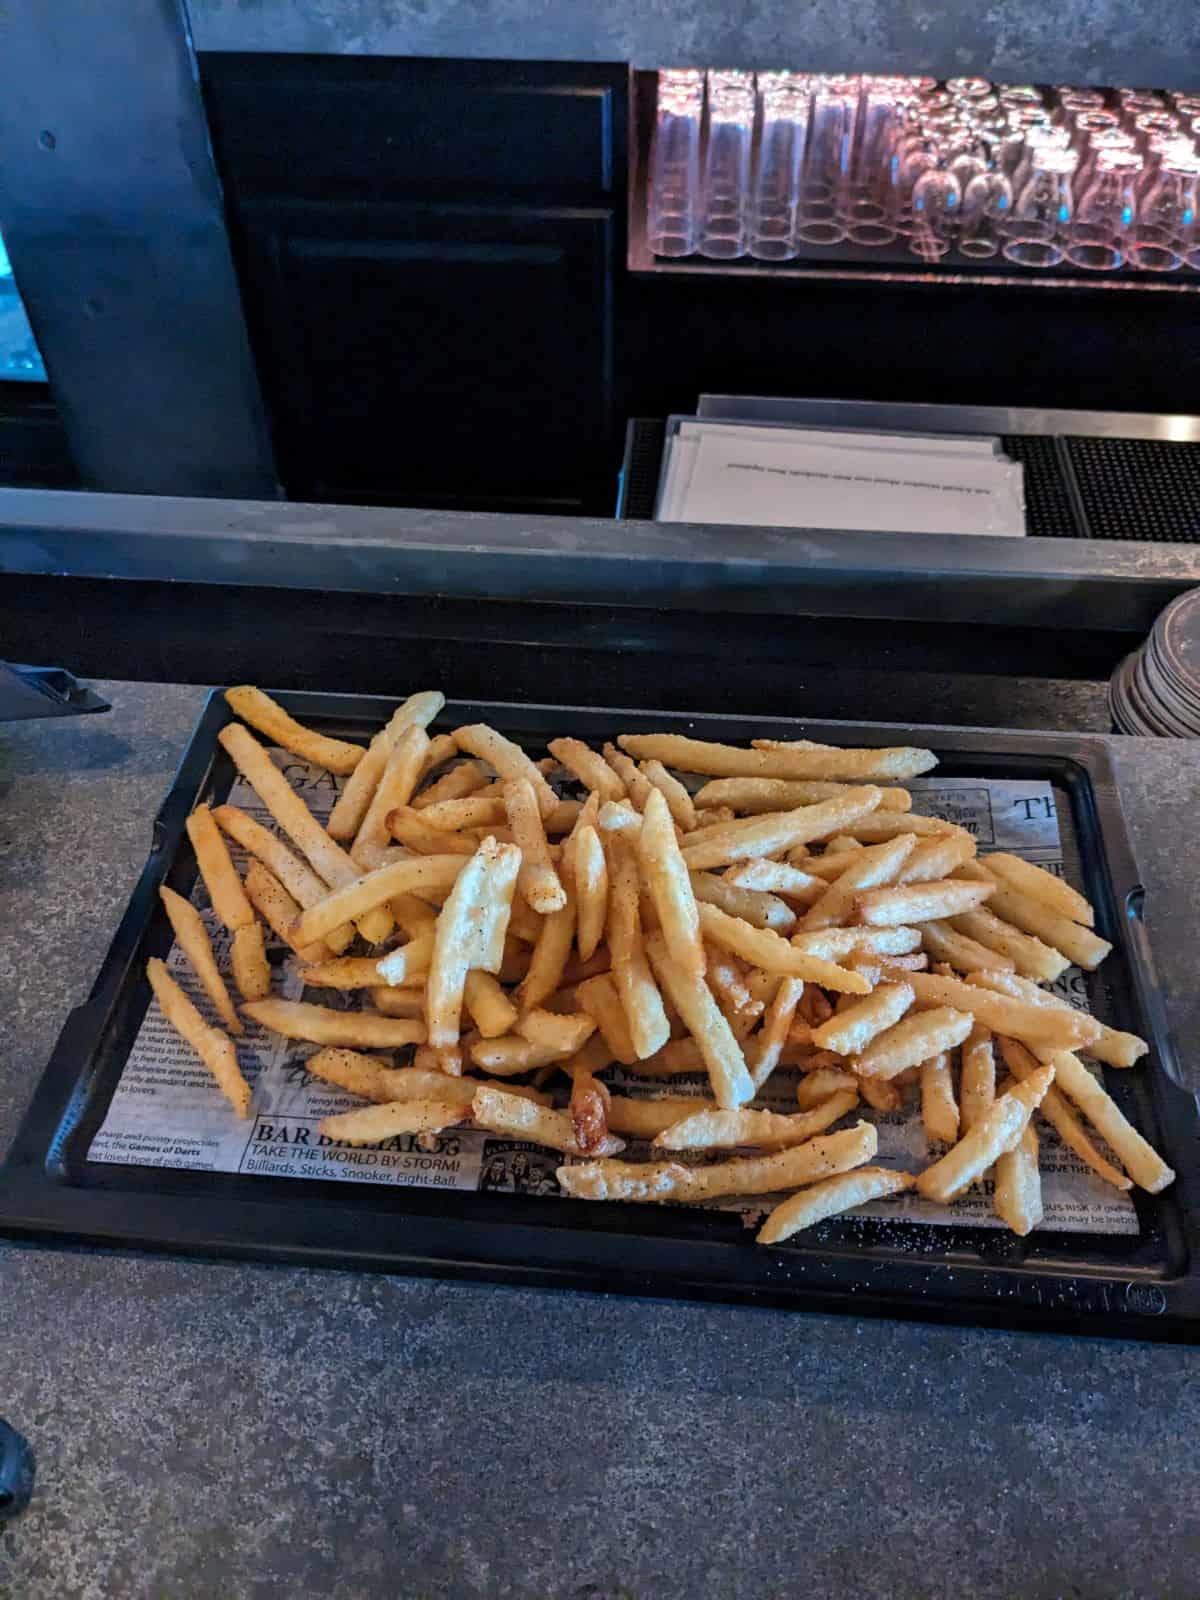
x,y
211,1428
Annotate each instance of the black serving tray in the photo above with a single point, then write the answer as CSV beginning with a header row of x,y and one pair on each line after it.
x,y
1147,1286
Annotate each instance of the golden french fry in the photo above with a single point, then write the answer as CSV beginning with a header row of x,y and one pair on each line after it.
x,y
914,1039
939,1109
766,1047
346,972
470,811
637,786
1080,945
1034,1025
1061,1117
1041,885
774,759
999,1130
815,1087
666,877
756,795
1017,1198
524,1119
777,831
398,1002
562,820
590,872
1032,958
296,1019
692,998
879,1093
775,877
374,1123
397,782
411,830
351,805
417,874
280,912
936,857
511,1054
265,714
679,801
365,1076
591,769
563,1034
882,825
760,910
545,971
766,950
300,881
410,963
459,783
640,999
508,759
442,748
619,816
848,1032
248,958
492,1012
835,944
945,943
537,883
918,902
830,864
871,868
192,938
830,1199
643,1119
476,905
418,711
215,1049
442,1059
726,1130
977,1077
710,816
1114,1048
1140,1160
218,871
599,999
818,1158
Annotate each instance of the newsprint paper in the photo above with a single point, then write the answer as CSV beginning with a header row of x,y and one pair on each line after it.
x,y
168,1112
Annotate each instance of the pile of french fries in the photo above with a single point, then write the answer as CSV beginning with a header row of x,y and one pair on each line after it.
x,y
789,910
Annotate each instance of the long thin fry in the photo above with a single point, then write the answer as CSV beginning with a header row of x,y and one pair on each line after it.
x,y
636,784
269,717
830,1199
374,1123
814,1087
508,759
882,825
214,1048
1030,956
871,868
192,938
772,759
537,882
391,1002
850,1031
977,1082
296,1019
759,909
589,767
1080,945
1017,1198
770,953
1041,885
944,942
396,785
918,902
914,1039
936,857
692,998
1114,1048
640,999
939,1109
765,1048
459,783
280,912
995,1133
416,874
645,1118
679,801
1061,1116
1143,1164
524,1119
666,876
218,871
492,1012
1034,1025
466,933
599,998
726,1130
778,831
248,958
834,944
410,963
590,871
346,972
756,795
296,876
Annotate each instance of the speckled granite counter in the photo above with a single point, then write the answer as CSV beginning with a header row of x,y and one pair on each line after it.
x,y
247,1431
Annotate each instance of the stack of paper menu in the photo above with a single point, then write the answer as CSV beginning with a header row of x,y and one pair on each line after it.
x,y
792,477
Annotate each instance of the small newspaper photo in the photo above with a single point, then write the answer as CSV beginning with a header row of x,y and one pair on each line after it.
x,y
168,1112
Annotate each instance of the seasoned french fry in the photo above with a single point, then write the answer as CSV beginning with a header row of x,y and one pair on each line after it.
x,y
508,759
777,831
440,1059
248,958
398,1002
666,877
640,999
679,801
218,871
562,820
830,864
871,868
775,877
374,1080
914,1039
537,882
818,1158
756,795
830,1199
1061,1117
936,857
726,1130
764,1050
545,971
834,944
410,963
977,1078
765,986
999,1130
265,714
599,998
815,1087
619,816
563,1034
918,902
590,871
511,1054
879,1093
296,1019
1041,885
1114,1048
345,972
590,768
280,912
945,943
397,782
1034,1025
643,1119
849,1032
414,833
442,748
524,1119
771,758
710,816
300,881
192,938
1080,945
1017,1198
1032,958
492,1012
459,783
466,933
413,875
1143,1164
637,786
882,825
372,1123
215,1049
939,1109
767,951
471,811
418,711
692,998
750,905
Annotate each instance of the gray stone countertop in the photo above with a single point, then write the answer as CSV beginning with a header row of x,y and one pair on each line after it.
x,y
251,1431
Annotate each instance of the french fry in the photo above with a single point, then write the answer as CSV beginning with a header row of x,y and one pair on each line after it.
x,y
508,759
936,857
914,1039
766,1047
640,999
410,963
590,768
830,1199
750,905
918,902
692,998
999,1130
818,1158
442,748
773,759
939,1109
777,831
767,951
545,971
373,1079
637,786
814,1087
723,974
871,868
374,1123
599,998
215,1049
344,972
1114,1048
882,825
849,1032
1080,945
441,1059
409,828
280,912
830,864
563,1034
977,1077
665,875
537,882
1143,1164
562,820
1061,1117
218,871
524,1119
756,795
678,1058
644,1119
471,811
945,943
835,944
726,1130
296,1019
710,816
419,711
588,1111
679,801
619,816
352,902
765,986
396,786
398,1002
459,783
879,1093
1017,1198
265,714
248,958
192,938
1030,956
476,907
590,872
775,877
1037,1026
492,1012
296,876
1041,885
510,1054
